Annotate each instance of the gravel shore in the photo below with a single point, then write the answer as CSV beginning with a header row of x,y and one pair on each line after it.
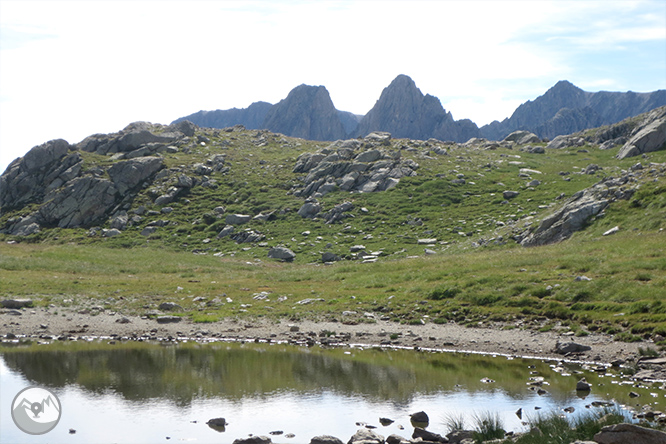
x,y
41,322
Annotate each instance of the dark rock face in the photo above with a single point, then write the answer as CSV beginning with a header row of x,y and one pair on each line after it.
x,y
82,202
43,168
307,112
251,117
405,112
128,174
566,109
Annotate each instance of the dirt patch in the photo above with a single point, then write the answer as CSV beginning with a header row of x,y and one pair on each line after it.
x,y
64,322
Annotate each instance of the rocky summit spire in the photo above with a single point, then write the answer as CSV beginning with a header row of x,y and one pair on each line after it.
x,y
404,111
307,112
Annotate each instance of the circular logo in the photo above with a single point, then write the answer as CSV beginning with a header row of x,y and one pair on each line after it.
x,y
36,410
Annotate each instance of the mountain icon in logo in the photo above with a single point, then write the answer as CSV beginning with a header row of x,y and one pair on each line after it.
x,y
36,410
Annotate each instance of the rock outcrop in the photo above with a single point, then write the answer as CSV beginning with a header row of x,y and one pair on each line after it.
x,y
580,209
45,167
52,176
405,112
649,136
352,165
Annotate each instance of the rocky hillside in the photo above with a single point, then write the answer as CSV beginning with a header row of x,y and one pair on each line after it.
x,y
251,193
405,112
566,109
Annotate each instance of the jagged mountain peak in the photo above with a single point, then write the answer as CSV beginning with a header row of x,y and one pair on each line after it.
x,y
307,112
404,111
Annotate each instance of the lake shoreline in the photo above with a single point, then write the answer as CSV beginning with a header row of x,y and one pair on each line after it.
x,y
485,338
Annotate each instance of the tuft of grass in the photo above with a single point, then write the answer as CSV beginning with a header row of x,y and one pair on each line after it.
x,y
648,352
454,422
554,428
627,337
487,426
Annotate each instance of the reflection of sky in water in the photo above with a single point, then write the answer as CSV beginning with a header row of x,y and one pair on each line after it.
x,y
109,417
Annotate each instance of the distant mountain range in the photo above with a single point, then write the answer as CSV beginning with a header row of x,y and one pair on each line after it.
x,y
402,109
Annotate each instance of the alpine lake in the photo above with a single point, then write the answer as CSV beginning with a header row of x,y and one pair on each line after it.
x,y
167,391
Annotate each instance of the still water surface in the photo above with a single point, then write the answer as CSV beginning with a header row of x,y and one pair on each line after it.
x,y
140,393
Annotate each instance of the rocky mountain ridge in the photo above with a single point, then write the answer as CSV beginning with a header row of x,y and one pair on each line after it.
x,y
404,111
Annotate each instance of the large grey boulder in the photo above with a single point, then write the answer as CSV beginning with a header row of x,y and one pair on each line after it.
x,y
570,218
522,137
128,174
326,439
629,433
366,436
134,136
309,209
651,136
282,253
428,436
564,348
237,219
253,440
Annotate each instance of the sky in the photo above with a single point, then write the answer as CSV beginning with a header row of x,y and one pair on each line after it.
x,y
69,69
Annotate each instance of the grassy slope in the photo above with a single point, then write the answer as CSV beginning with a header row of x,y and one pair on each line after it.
x,y
498,282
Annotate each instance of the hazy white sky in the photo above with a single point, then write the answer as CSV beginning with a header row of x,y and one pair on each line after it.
x,y
69,69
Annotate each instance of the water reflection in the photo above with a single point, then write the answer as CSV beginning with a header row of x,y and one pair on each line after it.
x,y
312,391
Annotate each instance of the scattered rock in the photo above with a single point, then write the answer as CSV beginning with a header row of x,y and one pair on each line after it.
x,y
425,435
237,219
458,436
419,418
17,303
564,348
583,385
366,436
613,230
253,440
522,137
510,194
309,209
218,424
325,439
397,439
282,253
170,306
113,232
168,319
329,257
629,433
